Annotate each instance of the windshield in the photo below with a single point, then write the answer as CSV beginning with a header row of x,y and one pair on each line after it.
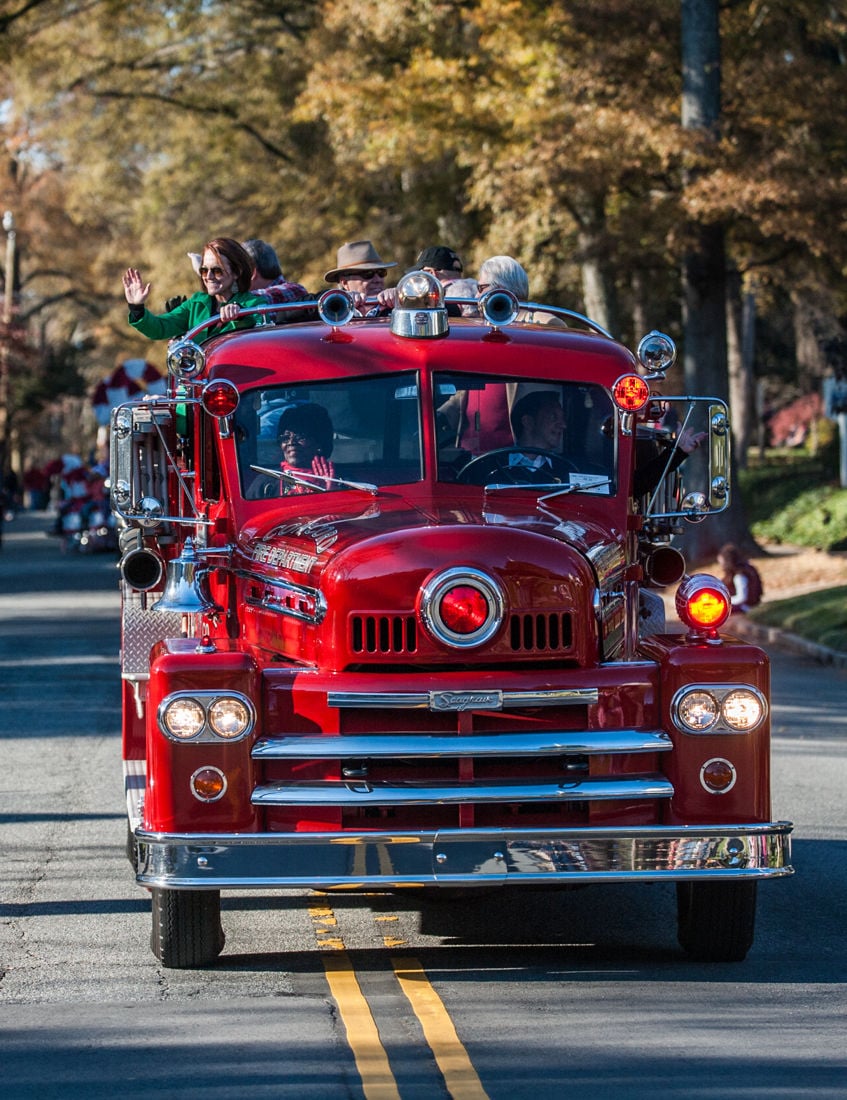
x,y
501,431
323,436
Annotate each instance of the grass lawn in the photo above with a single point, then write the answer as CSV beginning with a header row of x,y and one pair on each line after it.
x,y
794,497
820,617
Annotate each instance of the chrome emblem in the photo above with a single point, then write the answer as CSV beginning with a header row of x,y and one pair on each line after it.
x,y
466,700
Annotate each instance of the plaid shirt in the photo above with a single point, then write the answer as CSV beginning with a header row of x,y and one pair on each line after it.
x,y
280,292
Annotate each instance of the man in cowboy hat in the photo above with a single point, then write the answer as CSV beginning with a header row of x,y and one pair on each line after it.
x,y
359,270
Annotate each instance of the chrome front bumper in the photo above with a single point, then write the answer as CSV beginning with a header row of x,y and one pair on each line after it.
x,y
472,857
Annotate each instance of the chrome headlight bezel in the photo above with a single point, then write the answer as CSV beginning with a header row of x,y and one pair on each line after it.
x,y
737,708
440,585
208,703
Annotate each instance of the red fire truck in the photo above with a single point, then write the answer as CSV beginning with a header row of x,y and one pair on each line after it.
x,y
383,629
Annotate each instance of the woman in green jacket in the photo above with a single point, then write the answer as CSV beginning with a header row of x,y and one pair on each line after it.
x,y
225,273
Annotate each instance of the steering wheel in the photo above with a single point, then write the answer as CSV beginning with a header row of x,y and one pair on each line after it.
x,y
480,470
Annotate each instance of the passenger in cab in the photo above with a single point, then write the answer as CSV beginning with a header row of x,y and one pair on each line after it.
x,y
225,273
306,437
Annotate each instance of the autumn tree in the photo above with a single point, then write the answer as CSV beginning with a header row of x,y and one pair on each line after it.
x,y
551,131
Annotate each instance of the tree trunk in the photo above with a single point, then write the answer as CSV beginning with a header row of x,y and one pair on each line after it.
x,y
740,312
704,268
593,243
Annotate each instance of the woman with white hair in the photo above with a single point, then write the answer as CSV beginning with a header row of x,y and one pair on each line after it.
x,y
505,273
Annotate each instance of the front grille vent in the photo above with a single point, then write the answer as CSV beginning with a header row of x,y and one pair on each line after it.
x,y
383,634
541,632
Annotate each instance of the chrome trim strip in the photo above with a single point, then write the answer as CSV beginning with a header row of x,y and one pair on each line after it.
x,y
493,744
364,792
463,700
270,603
135,780
473,857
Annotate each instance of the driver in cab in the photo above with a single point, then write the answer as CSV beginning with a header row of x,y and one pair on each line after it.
x,y
538,425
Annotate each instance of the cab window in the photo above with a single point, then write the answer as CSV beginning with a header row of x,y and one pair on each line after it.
x,y
496,430
361,430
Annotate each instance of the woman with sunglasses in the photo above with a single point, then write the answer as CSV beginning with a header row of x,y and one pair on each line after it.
x,y
225,273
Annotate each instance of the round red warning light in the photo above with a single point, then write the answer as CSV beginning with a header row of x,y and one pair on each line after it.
x,y
631,393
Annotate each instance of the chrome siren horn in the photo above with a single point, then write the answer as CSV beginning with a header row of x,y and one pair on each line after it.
x,y
142,569
336,308
499,307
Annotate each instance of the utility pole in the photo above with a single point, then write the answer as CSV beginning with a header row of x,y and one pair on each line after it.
x,y
5,349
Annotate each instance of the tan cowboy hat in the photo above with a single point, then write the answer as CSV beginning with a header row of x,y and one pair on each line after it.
x,y
356,256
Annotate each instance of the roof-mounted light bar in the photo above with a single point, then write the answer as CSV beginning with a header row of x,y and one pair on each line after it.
x,y
419,306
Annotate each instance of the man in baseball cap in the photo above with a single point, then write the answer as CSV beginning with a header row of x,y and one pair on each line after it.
x,y
442,262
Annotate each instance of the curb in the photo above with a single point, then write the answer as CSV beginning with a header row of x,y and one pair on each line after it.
x,y
774,636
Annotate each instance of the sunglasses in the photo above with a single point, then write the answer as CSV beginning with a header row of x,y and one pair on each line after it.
x,y
215,272
381,271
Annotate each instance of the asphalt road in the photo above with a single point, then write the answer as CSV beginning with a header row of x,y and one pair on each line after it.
x,y
541,995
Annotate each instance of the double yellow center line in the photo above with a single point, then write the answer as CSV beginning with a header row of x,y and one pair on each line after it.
x,y
378,1081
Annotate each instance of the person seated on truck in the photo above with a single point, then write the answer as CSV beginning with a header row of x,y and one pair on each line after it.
x,y
269,282
225,273
505,273
361,272
538,424
306,436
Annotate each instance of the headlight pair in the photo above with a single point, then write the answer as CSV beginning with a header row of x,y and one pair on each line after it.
x,y
206,716
718,708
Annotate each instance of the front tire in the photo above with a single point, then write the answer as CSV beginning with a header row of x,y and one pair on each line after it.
x,y
716,920
187,928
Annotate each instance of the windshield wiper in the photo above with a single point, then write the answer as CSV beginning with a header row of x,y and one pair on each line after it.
x,y
286,475
560,490
579,487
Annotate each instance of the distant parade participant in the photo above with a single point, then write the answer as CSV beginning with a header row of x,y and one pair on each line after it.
x,y
225,273
741,577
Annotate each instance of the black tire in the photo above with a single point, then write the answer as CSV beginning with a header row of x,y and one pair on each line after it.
x,y
131,847
186,927
716,920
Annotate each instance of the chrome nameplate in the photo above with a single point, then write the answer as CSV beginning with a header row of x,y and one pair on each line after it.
x,y
465,700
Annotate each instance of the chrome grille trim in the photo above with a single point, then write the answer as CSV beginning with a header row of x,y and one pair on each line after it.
x,y
365,746
463,700
361,793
